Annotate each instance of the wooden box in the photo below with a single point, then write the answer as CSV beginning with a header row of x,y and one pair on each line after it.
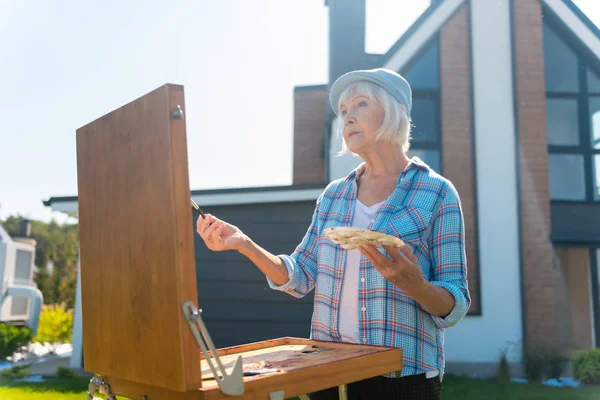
x,y
138,269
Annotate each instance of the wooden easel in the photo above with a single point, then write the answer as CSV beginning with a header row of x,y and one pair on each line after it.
x,y
138,271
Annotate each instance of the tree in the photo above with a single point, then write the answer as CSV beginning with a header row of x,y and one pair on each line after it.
x,y
58,244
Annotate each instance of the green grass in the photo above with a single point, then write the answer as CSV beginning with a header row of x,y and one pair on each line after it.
x,y
454,388
472,389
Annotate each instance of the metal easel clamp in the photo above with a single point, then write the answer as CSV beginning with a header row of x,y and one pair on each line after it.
x,y
98,383
232,384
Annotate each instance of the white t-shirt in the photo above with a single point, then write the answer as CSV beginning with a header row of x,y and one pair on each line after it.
x,y
348,318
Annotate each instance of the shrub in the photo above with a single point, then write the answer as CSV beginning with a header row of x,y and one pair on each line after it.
x,y
555,365
63,372
18,372
543,362
503,373
56,324
11,338
586,366
534,364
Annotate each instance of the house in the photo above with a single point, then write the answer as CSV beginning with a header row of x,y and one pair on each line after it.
x,y
20,299
506,105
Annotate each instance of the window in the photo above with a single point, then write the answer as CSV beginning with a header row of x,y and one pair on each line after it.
x,y
560,63
593,82
567,181
423,76
572,120
597,177
595,122
563,122
430,157
20,306
23,265
424,121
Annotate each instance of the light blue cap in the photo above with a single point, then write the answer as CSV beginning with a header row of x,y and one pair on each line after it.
x,y
391,81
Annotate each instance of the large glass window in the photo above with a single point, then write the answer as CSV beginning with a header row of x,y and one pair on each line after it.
x,y
423,76
425,125
560,63
572,120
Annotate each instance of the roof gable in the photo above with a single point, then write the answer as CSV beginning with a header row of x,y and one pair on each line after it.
x,y
577,24
418,35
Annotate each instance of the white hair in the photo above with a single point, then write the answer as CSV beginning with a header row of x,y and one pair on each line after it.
x,y
395,127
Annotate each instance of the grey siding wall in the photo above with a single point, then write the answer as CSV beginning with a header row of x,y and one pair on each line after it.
x,y
238,305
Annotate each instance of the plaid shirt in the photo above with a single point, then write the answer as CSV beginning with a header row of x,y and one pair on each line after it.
x,y
425,212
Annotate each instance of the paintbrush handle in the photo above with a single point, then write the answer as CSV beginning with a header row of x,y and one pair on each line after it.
x,y
195,207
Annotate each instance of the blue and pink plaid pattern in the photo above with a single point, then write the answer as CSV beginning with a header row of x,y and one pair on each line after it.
x,y
425,212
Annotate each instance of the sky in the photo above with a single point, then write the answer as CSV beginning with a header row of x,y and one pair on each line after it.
x,y
66,63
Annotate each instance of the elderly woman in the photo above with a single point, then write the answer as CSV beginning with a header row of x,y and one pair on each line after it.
x,y
400,297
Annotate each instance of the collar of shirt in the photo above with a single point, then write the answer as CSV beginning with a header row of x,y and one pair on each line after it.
x,y
394,201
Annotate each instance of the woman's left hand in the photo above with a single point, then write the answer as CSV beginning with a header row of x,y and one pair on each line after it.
x,y
402,270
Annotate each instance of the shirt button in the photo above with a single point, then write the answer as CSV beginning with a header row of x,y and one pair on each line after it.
x,y
364,309
362,280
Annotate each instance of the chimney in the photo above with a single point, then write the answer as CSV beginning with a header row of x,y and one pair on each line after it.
x,y
347,32
312,114
25,233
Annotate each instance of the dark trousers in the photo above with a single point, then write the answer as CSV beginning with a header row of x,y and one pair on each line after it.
x,y
414,387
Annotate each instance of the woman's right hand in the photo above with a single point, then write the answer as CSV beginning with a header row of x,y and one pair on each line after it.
x,y
219,235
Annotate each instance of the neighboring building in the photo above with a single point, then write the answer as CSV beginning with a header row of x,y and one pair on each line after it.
x,y
507,106
20,299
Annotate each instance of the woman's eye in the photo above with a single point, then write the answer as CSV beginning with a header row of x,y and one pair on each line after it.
x,y
362,104
344,112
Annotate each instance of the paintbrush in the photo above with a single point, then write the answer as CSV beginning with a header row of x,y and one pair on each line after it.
x,y
195,207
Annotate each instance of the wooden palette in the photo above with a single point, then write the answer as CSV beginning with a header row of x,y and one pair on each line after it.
x,y
350,238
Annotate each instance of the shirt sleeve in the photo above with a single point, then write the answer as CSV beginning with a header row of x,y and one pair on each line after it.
x,y
302,263
449,261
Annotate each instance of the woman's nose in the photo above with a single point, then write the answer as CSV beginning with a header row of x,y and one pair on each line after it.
x,y
349,118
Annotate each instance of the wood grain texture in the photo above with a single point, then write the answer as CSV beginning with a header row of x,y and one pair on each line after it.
x,y
136,245
341,363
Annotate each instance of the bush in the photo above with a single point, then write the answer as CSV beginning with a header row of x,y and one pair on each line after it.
x,y
542,363
503,373
586,366
63,372
11,338
10,374
56,324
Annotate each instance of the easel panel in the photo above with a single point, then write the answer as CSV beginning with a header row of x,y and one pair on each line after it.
x,y
137,258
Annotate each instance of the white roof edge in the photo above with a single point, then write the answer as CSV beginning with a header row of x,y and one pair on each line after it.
x,y
4,236
271,196
575,24
428,28
213,199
